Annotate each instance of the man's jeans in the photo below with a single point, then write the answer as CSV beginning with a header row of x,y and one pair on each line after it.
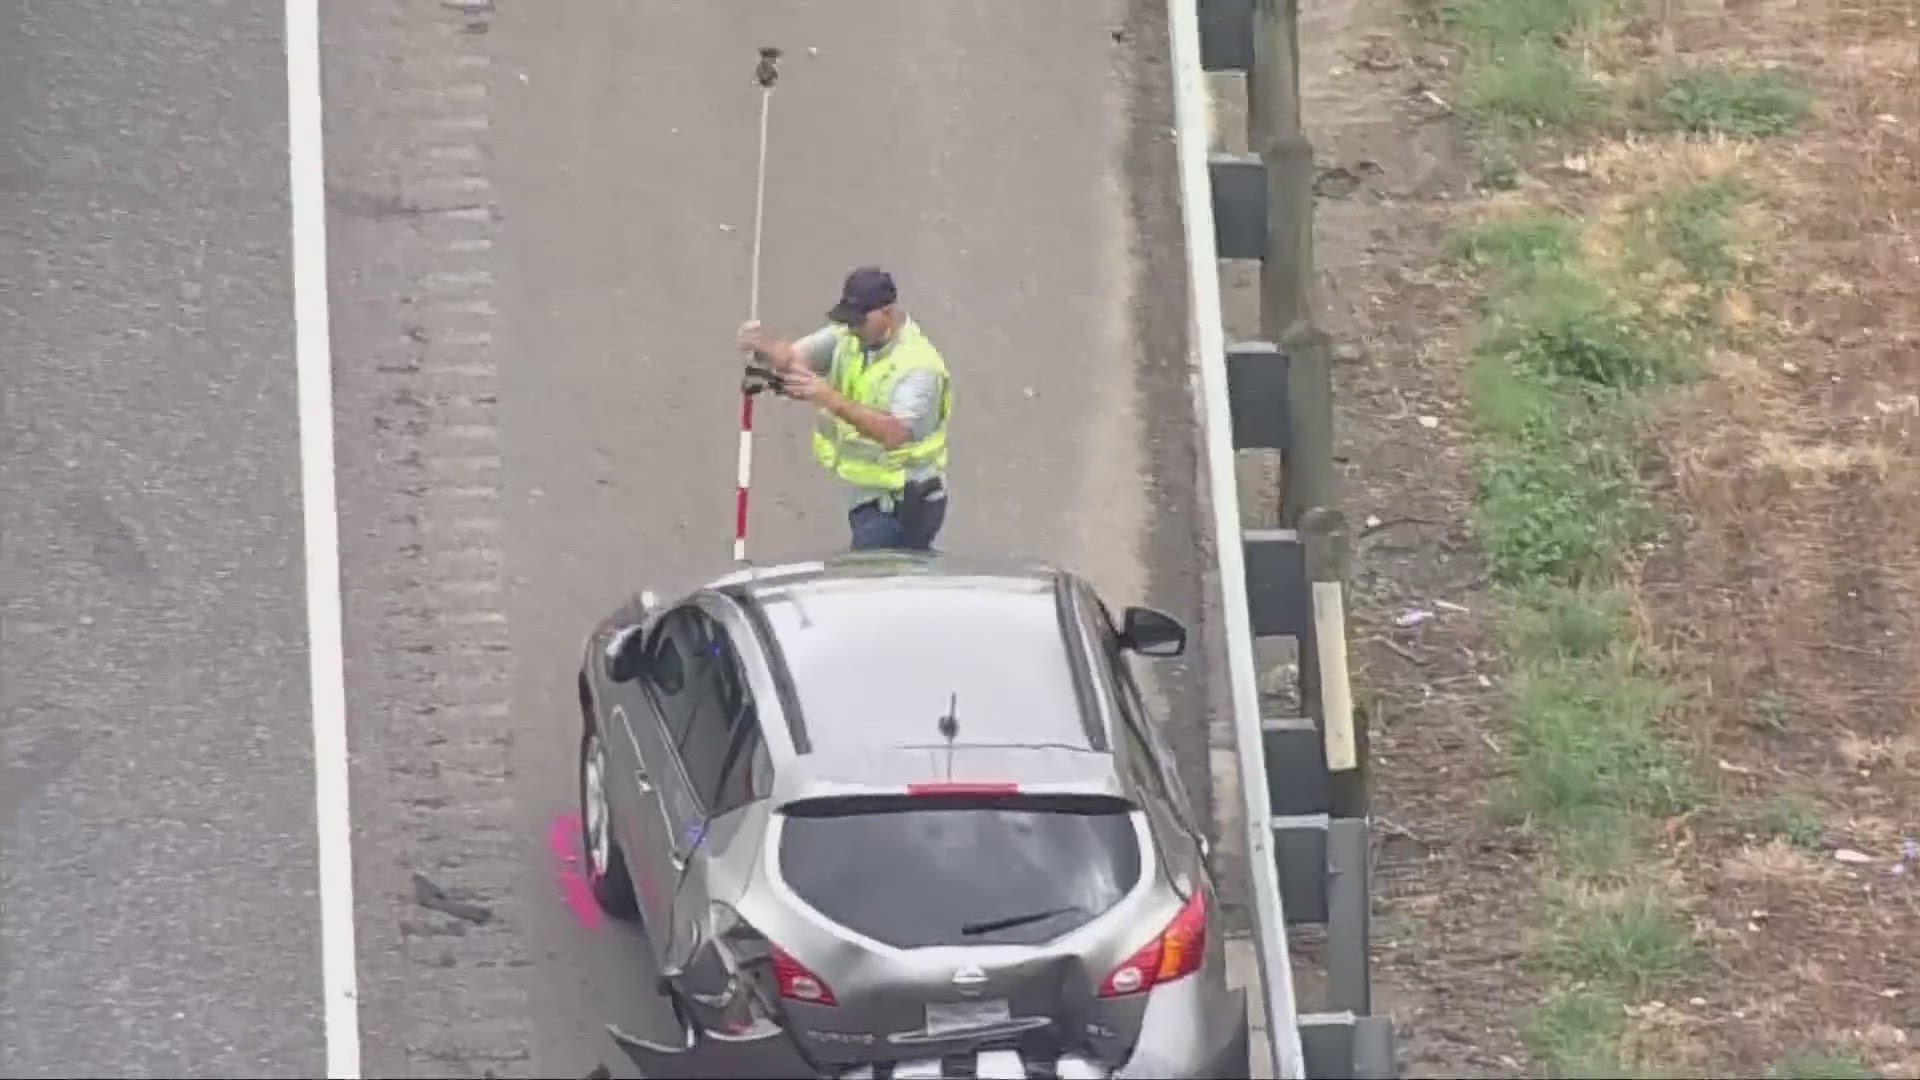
x,y
916,517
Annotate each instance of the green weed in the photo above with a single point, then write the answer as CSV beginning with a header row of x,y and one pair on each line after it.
x,y
1692,226
1511,406
1746,104
1794,819
1565,327
1516,244
1578,1035
1555,508
1532,82
1557,623
1491,23
1771,711
1602,843
1557,484
1822,1065
1627,940
1498,161
1566,348
1520,73
1587,739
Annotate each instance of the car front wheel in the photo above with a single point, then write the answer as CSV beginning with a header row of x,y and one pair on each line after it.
x,y
606,863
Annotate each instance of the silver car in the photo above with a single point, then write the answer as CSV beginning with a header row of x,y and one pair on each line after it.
x,y
898,815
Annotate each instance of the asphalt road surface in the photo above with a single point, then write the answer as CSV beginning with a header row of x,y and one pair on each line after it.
x,y
540,220
157,881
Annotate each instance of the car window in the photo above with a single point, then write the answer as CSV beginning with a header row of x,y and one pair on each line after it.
x,y
1162,761
747,771
759,769
665,673
941,874
718,744
1140,757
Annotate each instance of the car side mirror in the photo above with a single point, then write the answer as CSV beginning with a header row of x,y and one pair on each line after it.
x,y
1152,633
624,653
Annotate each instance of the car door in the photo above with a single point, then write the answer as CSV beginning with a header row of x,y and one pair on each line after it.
x,y
723,757
616,699
648,708
688,634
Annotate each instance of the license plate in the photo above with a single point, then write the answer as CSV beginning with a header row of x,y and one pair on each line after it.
x,y
943,1017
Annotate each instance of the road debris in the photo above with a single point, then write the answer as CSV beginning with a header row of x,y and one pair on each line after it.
x,y
1909,857
433,897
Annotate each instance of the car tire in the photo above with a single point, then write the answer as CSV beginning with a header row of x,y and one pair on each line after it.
x,y
606,874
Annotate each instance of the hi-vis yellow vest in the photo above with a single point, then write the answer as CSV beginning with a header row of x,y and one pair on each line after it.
x,y
856,459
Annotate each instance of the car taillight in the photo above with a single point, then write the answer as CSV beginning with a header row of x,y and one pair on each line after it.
x,y
1174,954
796,983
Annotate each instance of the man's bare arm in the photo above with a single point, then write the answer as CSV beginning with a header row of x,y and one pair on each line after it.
x,y
882,427
787,356
912,411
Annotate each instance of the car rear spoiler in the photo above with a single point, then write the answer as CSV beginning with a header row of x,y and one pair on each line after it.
x,y
956,795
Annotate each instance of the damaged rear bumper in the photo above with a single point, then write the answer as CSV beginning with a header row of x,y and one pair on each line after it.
x,y
771,1054
767,1054
1189,1030
706,1056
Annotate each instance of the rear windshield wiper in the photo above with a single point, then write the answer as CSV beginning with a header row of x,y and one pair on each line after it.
x,y
988,926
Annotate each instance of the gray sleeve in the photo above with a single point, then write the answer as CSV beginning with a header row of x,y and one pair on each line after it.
x,y
916,401
817,349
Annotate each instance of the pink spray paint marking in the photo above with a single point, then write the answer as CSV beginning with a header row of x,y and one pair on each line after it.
x,y
570,862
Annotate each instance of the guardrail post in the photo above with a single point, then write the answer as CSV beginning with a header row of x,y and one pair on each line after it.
x,y
1273,112
1226,34
1307,466
1304,776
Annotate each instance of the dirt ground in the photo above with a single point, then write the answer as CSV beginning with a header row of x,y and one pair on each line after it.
x,y
1395,166
1792,604
1786,606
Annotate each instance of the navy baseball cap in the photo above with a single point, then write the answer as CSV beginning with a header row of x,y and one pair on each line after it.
x,y
868,288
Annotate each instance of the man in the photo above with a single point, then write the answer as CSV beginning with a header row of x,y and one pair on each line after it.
x,y
883,398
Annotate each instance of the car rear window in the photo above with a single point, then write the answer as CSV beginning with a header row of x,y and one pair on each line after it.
x,y
913,873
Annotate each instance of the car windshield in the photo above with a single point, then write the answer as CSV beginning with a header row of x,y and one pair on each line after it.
x,y
962,874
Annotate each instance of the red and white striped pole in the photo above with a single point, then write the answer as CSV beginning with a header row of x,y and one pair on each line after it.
x,y
746,470
766,74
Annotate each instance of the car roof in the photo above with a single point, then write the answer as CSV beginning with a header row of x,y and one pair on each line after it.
x,y
882,564
877,649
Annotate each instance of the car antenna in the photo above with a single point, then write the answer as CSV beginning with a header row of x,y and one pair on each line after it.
x,y
950,728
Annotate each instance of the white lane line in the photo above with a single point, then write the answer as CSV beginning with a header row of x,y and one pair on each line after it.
x,y
313,361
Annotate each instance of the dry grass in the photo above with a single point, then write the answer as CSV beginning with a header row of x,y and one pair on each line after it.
x,y
1802,474
1784,600
1793,601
